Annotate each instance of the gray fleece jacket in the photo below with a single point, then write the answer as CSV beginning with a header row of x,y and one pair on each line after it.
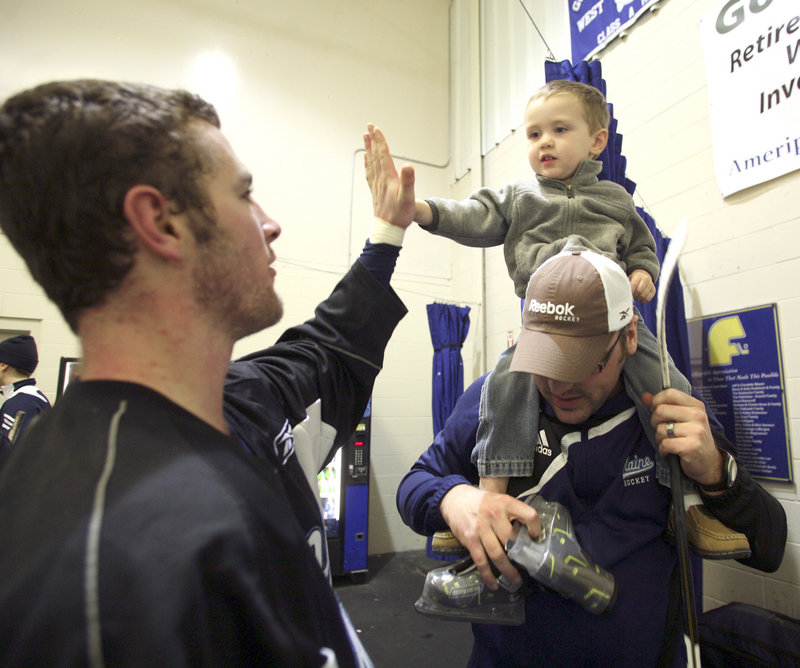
x,y
533,219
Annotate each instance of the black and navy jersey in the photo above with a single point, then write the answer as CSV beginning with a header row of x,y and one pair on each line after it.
x,y
135,533
23,403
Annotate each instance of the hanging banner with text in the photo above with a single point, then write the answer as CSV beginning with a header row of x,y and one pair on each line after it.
x,y
736,368
594,23
752,56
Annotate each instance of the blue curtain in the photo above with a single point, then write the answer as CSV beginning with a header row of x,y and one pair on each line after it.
x,y
614,164
449,325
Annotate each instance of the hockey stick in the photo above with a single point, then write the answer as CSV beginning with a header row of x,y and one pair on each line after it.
x,y
691,636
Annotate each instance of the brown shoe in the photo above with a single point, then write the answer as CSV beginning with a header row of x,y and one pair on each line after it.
x,y
446,544
708,537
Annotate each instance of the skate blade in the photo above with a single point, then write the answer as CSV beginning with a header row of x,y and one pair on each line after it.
x,y
506,614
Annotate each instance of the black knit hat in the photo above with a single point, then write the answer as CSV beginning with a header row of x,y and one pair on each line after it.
x,y
19,352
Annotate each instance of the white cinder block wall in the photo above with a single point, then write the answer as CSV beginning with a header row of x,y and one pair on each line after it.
x,y
741,251
296,82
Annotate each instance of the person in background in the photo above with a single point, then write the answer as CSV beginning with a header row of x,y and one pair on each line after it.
x,y
594,458
158,513
22,400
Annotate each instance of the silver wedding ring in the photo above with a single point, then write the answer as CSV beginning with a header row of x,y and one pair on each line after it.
x,y
671,429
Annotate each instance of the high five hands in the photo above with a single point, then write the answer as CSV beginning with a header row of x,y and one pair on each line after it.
x,y
392,193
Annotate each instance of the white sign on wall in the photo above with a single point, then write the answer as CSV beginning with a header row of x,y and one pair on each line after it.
x,y
752,56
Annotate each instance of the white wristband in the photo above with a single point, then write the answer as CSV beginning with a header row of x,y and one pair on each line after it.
x,y
386,233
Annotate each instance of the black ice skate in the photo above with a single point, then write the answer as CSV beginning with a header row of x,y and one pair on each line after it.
x,y
457,592
554,559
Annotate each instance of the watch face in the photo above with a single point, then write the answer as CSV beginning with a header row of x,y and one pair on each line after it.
x,y
730,470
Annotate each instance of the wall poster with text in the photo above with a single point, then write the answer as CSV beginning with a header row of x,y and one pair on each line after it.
x,y
751,50
737,369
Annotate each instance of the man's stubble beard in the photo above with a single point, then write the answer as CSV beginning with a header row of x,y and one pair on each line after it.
x,y
235,304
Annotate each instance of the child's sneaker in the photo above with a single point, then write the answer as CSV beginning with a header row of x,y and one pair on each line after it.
x,y
445,544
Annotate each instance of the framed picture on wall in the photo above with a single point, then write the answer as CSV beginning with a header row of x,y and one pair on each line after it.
x,y
68,370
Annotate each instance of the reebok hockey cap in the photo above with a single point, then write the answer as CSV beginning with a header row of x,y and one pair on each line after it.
x,y
19,352
574,304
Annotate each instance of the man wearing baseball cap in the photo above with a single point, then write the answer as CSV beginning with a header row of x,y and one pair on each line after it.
x,y
593,457
577,305
23,400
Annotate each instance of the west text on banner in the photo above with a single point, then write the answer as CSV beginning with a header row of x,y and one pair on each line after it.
x,y
594,23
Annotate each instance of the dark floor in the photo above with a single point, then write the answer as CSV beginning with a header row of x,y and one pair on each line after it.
x,y
382,610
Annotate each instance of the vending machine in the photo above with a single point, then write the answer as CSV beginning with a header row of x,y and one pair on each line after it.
x,y
344,490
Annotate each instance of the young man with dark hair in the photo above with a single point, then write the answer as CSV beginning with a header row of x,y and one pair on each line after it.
x,y
22,400
159,514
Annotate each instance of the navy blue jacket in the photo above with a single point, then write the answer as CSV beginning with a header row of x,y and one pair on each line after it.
x,y
603,472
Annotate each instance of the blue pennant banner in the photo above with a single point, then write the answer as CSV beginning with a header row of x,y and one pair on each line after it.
x,y
594,23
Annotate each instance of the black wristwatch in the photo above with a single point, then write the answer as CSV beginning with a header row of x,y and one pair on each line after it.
x,y
729,471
